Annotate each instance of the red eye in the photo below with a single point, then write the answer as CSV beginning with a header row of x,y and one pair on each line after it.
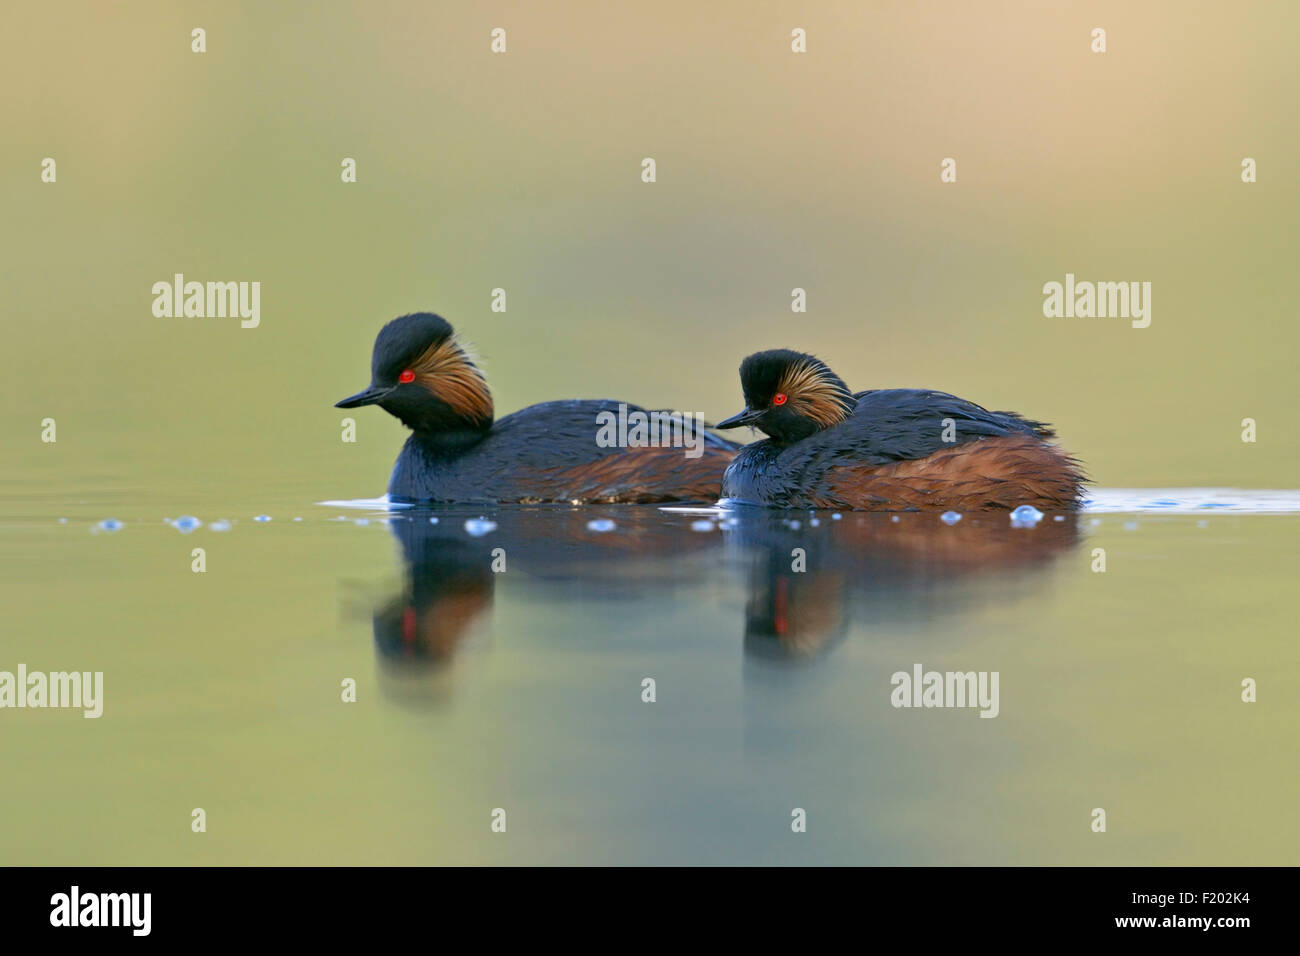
x,y
406,376
779,399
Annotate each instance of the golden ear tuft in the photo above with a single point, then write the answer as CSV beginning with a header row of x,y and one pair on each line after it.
x,y
813,394
447,371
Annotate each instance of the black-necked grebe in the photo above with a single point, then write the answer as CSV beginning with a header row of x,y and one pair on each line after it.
x,y
897,449
544,453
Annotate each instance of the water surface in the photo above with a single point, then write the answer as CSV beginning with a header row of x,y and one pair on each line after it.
x,y
499,658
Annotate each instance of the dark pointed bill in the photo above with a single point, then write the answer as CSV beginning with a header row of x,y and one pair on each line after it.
x,y
367,396
747,417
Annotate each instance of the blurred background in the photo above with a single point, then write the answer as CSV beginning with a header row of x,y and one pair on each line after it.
x,y
522,171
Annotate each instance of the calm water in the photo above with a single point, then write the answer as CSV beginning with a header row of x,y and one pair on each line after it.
x,y
499,659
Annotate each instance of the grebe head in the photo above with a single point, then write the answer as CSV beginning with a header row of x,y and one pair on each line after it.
x,y
420,374
790,395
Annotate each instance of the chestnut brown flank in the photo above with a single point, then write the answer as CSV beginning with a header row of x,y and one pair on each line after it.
x,y
990,473
635,476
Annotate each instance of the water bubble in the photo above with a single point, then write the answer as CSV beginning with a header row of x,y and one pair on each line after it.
x,y
297,519
813,522
600,525
893,518
950,517
726,524
262,518
836,516
110,524
187,523
433,520
1026,516
63,521
362,522
221,524
702,526
792,524
479,526
1059,518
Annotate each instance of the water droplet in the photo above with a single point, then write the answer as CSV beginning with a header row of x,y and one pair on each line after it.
x,y
110,524
479,526
361,521
813,522
792,524
262,518
702,526
221,524
297,519
187,523
893,518
1026,516
63,521
948,517
433,521
600,525
1130,525
836,517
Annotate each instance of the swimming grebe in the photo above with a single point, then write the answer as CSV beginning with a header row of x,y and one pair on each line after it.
x,y
897,449
543,453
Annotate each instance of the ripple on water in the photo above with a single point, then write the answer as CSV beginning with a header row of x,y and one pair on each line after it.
x,y
1192,500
